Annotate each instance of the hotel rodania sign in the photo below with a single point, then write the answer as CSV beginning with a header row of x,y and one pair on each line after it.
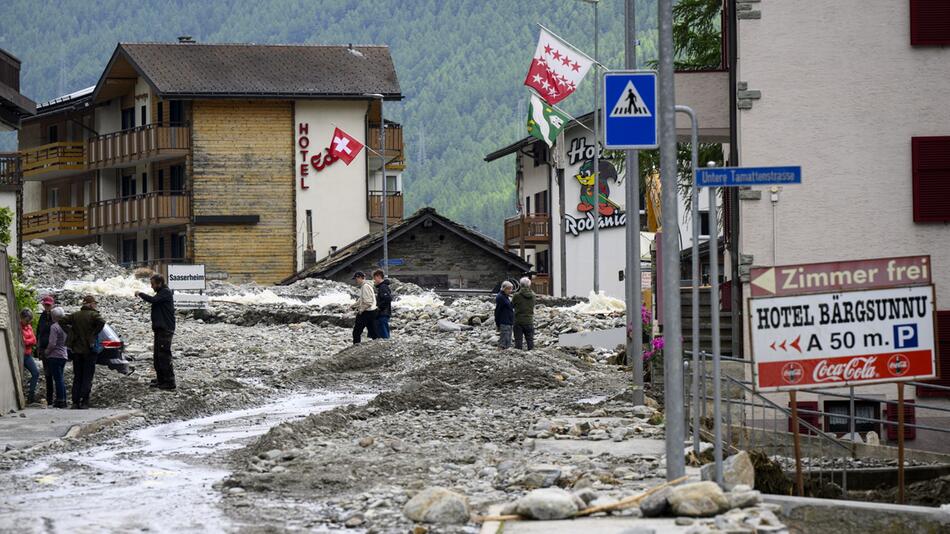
x,y
821,330
611,213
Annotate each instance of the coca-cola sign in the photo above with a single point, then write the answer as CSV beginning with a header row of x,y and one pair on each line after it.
x,y
845,338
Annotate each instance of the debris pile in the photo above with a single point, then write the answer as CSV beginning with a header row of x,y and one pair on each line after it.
x,y
50,266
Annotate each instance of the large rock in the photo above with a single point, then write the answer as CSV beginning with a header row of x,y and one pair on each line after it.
x,y
547,503
699,499
656,504
736,470
437,505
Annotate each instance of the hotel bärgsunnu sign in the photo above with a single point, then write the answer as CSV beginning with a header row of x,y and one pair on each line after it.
x,y
842,324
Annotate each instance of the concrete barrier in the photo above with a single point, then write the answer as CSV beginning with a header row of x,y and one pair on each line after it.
x,y
802,514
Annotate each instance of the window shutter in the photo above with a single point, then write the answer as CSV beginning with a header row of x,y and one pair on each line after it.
x,y
943,359
929,22
931,177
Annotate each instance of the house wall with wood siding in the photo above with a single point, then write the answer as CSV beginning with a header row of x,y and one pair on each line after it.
x,y
242,164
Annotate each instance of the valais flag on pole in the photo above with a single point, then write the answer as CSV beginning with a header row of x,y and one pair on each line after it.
x,y
344,146
556,69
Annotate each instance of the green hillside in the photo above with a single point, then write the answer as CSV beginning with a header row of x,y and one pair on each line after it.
x,y
461,64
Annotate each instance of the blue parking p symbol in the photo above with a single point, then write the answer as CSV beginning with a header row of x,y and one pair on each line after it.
x,y
905,336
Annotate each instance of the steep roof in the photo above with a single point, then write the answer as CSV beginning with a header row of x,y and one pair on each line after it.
x,y
359,249
192,70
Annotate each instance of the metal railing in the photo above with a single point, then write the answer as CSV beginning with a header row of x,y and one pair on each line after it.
x,y
529,229
753,421
143,143
394,206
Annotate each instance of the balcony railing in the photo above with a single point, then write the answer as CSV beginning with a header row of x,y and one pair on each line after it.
x,y
53,160
527,230
394,206
394,145
151,142
541,284
140,212
55,223
10,170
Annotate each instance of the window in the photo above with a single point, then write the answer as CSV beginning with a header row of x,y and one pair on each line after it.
x,y
929,23
144,183
53,134
527,205
145,250
144,115
931,179
704,223
128,186
943,354
178,246
160,112
541,202
128,251
128,118
177,178
392,184
161,247
840,423
160,185
52,197
176,112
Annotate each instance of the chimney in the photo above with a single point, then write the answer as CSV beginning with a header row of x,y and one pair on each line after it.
x,y
185,39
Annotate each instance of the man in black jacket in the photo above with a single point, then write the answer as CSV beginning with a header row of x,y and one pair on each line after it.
x,y
163,325
42,341
384,303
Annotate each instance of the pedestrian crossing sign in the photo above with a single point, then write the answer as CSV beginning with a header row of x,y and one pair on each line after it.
x,y
629,110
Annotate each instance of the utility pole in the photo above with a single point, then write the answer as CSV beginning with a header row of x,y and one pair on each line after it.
x,y
672,327
632,158
382,172
596,154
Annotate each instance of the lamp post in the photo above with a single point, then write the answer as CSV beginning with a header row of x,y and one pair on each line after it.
x,y
596,168
382,174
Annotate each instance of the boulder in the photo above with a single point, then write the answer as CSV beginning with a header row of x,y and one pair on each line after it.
x,y
547,503
744,498
656,504
699,499
872,438
736,470
437,505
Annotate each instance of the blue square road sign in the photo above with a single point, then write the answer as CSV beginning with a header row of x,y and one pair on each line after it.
x,y
629,110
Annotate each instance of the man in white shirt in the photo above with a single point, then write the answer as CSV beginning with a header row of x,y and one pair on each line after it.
x,y
365,309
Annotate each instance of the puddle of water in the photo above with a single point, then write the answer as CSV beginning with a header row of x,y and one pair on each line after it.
x,y
157,479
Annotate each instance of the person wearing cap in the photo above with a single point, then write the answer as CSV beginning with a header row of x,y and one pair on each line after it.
x,y
163,326
42,340
56,356
29,342
365,309
84,325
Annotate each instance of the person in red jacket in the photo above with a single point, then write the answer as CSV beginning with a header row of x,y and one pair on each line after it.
x,y
29,341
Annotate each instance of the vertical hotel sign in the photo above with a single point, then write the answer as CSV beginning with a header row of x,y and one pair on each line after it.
x,y
317,161
842,323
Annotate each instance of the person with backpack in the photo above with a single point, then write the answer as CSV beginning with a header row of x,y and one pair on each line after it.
x,y
384,303
523,303
84,326
504,315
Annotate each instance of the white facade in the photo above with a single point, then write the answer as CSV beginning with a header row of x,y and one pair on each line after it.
x,y
335,195
842,94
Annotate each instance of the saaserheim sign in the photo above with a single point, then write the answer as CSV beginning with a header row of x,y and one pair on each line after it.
x,y
581,156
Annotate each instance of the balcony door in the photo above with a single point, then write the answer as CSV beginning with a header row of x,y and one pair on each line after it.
x,y
129,250
128,118
541,203
177,178
128,186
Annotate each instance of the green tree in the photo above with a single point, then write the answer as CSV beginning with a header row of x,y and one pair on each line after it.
x,y
25,294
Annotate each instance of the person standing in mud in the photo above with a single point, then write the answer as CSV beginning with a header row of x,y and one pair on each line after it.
x,y
163,326
42,340
29,343
504,315
56,357
384,303
523,303
365,309
84,325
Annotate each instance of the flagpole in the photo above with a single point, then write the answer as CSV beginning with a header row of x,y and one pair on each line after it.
x,y
596,155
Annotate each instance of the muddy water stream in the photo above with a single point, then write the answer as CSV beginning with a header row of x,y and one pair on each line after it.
x,y
156,479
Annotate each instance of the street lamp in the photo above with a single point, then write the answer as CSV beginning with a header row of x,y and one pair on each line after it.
x,y
382,173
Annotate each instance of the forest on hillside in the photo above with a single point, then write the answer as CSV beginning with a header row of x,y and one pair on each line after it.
x,y
461,64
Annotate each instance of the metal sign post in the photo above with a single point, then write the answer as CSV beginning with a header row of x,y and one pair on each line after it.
x,y
799,478
900,443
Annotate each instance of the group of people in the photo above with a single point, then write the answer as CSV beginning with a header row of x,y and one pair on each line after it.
x,y
374,306
59,338
514,314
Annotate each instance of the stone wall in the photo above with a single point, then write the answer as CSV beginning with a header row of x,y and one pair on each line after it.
x,y
437,258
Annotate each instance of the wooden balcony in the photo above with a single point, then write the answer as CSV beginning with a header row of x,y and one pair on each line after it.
x,y
55,223
541,284
53,160
394,206
11,176
152,142
527,230
394,151
140,212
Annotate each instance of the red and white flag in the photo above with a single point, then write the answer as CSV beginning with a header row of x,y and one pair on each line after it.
x,y
344,146
556,69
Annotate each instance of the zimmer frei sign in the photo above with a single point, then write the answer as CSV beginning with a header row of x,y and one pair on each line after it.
x,y
841,338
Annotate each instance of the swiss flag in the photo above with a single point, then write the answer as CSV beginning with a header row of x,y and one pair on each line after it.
x,y
344,146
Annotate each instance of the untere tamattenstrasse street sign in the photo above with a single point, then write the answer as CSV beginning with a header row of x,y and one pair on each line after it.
x,y
810,278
